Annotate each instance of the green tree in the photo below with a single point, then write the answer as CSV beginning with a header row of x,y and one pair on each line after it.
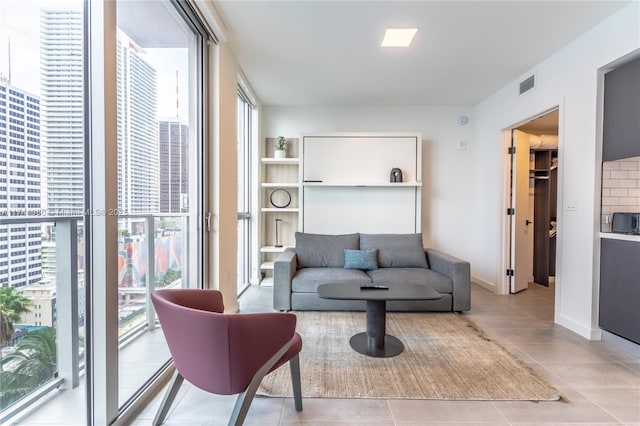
x,y
12,305
32,363
169,277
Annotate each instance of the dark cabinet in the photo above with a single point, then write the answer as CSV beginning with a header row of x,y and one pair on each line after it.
x,y
545,175
621,122
620,288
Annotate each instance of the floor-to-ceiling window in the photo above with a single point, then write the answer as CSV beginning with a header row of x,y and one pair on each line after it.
x,y
245,132
83,83
159,69
42,149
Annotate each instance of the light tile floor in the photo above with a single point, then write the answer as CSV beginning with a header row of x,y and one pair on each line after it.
x,y
600,384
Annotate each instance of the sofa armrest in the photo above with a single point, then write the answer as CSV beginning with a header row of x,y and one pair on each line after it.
x,y
284,268
460,273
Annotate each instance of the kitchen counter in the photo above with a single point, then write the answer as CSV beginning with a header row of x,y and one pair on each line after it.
x,y
622,237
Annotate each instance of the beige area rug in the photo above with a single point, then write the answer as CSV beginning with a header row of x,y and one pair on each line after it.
x,y
446,357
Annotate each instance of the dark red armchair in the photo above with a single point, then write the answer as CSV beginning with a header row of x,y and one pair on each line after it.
x,y
224,354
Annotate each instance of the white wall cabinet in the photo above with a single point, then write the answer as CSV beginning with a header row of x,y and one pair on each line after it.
x,y
345,183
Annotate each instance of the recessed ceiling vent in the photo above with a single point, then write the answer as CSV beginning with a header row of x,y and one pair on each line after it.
x,y
527,84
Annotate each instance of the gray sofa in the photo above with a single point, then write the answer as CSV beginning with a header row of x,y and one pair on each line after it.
x,y
400,258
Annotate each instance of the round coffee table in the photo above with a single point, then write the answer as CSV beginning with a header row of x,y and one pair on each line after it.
x,y
375,342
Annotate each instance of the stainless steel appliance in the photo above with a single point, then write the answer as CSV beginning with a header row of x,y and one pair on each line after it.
x,y
626,223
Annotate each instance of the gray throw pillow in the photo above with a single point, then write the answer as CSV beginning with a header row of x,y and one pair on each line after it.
x,y
361,259
326,251
396,250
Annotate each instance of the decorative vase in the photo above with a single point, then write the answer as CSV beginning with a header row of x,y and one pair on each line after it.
x,y
279,153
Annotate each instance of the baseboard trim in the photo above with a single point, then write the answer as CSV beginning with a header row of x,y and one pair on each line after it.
x,y
586,332
483,283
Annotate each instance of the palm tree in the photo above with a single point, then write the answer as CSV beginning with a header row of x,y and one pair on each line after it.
x,y
12,305
6,329
32,363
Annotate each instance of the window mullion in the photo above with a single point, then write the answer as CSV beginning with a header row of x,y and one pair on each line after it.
x,y
102,227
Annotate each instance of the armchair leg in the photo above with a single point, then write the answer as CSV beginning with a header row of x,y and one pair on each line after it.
x,y
294,365
243,402
241,408
169,396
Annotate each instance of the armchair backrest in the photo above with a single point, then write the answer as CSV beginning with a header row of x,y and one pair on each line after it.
x,y
218,352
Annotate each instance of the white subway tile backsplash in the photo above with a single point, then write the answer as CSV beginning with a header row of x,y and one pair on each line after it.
x,y
619,174
610,183
620,186
611,165
610,201
627,183
627,201
618,192
628,165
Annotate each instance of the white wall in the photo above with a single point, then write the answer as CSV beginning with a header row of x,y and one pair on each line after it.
x,y
570,79
448,219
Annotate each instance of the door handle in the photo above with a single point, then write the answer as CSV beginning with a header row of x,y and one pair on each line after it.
x,y
527,222
207,220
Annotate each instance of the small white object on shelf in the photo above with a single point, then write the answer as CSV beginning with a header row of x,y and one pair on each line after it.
x,y
281,145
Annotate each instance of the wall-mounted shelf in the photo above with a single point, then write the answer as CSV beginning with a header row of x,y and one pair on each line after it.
x,y
280,185
281,161
277,210
267,266
363,184
273,249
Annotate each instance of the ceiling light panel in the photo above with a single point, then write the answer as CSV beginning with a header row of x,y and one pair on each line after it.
x,y
398,37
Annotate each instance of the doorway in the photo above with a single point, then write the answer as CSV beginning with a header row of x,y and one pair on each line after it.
x,y
533,202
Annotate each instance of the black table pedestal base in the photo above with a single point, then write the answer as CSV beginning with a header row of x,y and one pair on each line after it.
x,y
375,342
363,344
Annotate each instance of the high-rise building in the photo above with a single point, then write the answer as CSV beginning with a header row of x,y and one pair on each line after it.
x,y
62,88
61,93
19,185
138,173
174,166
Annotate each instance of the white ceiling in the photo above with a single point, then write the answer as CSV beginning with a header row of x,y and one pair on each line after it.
x,y
328,52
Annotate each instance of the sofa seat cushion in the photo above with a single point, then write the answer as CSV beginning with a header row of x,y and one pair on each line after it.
x,y
307,280
398,276
327,251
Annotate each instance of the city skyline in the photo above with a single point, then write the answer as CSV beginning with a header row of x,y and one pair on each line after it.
x,y
20,24
60,127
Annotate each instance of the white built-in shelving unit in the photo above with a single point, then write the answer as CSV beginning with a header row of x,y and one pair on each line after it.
x,y
276,174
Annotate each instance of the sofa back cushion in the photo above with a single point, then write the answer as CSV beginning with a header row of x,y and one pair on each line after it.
x,y
324,251
396,250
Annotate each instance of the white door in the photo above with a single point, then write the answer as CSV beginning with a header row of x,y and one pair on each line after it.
x,y
520,221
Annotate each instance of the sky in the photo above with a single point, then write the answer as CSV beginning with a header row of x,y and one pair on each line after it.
x,y
20,23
